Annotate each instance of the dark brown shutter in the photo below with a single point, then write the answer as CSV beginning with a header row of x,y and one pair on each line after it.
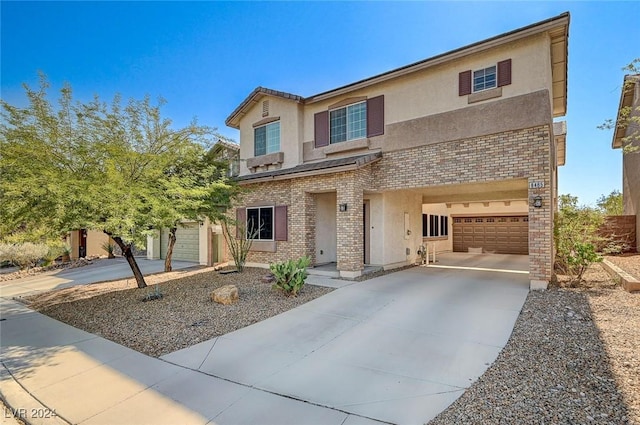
x,y
280,223
375,116
504,73
241,221
321,129
464,83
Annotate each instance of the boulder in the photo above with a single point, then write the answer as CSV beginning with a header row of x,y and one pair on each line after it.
x,y
227,294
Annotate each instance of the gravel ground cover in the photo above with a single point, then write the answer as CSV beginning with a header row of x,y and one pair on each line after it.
x,y
573,358
627,262
183,317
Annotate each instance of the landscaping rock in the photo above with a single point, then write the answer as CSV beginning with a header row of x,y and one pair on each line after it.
x,y
226,295
268,278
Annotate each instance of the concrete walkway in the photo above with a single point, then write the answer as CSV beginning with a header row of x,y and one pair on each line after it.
x,y
100,271
395,349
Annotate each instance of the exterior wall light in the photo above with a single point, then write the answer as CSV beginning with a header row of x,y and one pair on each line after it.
x,y
537,201
343,207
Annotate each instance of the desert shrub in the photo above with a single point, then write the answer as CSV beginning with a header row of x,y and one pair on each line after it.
x,y
239,247
290,275
23,255
576,237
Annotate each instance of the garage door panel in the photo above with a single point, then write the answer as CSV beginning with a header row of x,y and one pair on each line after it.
x,y
187,245
505,235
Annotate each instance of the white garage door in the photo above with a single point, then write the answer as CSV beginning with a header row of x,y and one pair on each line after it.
x,y
501,235
186,246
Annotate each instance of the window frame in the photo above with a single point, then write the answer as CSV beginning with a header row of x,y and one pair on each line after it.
x,y
273,219
495,78
347,124
266,138
437,226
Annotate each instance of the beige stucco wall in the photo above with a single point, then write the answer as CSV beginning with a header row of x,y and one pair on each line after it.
x,y
290,118
396,242
326,240
423,93
95,240
435,90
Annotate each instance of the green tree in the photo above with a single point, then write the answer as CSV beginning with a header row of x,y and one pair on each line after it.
x,y
611,204
96,165
629,116
195,186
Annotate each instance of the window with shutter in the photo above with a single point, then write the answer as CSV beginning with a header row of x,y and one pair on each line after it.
x,y
375,116
321,129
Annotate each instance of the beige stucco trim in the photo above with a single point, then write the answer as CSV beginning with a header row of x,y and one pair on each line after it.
x,y
265,121
331,170
484,95
346,146
347,101
269,159
263,246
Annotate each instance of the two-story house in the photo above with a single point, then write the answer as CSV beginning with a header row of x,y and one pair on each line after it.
x,y
457,149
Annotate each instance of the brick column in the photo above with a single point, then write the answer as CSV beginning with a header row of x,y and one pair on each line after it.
x,y
540,233
349,227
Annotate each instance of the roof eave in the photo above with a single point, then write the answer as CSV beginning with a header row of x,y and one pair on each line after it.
x,y
626,100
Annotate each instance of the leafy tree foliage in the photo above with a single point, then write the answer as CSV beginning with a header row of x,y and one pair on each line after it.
x,y
611,204
120,168
576,236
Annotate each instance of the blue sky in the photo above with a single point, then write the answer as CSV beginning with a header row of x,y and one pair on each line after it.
x,y
204,58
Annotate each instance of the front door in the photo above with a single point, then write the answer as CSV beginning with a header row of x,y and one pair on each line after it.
x,y
366,258
82,248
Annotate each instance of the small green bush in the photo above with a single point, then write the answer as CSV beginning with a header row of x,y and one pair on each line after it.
x,y
23,255
290,275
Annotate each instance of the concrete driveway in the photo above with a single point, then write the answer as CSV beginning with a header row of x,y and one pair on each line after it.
x,y
100,271
398,349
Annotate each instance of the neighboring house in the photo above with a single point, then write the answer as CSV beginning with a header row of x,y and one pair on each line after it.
x,y
87,243
458,149
627,136
198,241
230,152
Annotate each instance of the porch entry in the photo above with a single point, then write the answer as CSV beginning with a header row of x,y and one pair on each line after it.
x,y
326,228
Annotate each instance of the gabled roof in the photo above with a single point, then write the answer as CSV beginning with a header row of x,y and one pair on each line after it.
x,y
558,28
626,101
254,98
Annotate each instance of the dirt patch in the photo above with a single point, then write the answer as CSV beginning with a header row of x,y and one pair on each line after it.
x,y
630,263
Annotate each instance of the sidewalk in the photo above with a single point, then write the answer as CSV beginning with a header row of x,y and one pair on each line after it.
x,y
67,375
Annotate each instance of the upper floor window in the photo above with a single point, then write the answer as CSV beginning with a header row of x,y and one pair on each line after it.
x,y
484,79
494,76
267,139
348,123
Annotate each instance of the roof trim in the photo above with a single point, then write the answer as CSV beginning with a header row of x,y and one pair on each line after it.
x,y
313,168
626,101
253,98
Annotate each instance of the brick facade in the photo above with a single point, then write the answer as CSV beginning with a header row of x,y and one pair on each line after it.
x,y
523,154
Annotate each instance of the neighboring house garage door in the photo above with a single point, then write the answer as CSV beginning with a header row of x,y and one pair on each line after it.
x,y
501,235
186,246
